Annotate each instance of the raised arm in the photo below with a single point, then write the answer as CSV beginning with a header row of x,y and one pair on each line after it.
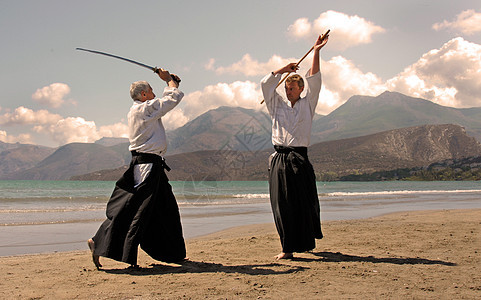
x,y
168,78
292,67
316,60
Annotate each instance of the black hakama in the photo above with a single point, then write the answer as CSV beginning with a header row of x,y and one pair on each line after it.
x,y
294,200
146,215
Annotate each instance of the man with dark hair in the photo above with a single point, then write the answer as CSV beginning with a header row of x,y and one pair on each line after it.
x,y
142,209
292,182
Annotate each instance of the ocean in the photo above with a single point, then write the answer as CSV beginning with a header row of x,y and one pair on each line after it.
x,y
51,216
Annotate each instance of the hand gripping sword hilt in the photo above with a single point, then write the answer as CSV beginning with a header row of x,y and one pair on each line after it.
x,y
174,77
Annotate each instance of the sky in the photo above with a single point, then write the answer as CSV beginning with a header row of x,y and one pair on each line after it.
x,y
53,94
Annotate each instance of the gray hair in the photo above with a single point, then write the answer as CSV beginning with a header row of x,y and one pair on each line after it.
x,y
137,88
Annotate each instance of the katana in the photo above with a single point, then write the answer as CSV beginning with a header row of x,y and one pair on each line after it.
x,y
154,69
297,64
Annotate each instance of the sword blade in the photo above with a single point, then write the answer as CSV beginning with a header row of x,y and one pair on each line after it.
x,y
119,57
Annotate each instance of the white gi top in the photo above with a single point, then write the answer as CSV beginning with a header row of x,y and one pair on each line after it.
x,y
291,126
146,131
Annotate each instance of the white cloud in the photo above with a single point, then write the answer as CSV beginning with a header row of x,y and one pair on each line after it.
x,y
77,129
21,138
341,80
300,28
26,116
174,119
449,76
52,95
114,130
70,130
251,67
346,31
61,130
467,22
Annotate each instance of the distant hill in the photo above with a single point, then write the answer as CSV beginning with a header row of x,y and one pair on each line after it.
x,y
219,127
111,141
362,115
400,148
69,160
447,170
18,157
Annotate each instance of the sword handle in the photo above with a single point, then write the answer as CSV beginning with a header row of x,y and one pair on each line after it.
x,y
174,77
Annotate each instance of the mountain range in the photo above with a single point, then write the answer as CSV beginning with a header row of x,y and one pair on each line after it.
x,y
388,150
239,130
362,115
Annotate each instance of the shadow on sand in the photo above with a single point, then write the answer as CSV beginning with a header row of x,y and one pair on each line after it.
x,y
340,257
207,267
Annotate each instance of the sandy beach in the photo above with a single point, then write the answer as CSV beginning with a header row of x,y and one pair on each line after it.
x,y
412,255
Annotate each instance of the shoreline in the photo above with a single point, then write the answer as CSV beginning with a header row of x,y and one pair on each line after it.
x,y
71,236
434,254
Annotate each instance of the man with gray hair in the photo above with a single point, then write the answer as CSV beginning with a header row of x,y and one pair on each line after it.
x,y
142,209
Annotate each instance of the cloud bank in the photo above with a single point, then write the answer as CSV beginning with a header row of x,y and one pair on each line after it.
x,y
52,95
60,129
349,30
449,76
251,67
25,116
22,138
467,22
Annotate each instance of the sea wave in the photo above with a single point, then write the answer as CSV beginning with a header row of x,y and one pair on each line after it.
x,y
50,222
251,196
54,199
48,210
401,192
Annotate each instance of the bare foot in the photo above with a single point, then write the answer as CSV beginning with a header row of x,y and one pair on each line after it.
x,y
95,258
134,267
283,255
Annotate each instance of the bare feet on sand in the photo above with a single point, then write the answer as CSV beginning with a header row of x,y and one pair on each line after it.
x,y
95,258
283,255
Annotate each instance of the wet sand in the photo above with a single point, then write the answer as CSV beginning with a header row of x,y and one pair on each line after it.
x,y
420,255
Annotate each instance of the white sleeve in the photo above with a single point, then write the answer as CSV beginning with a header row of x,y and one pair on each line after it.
x,y
160,106
314,84
268,87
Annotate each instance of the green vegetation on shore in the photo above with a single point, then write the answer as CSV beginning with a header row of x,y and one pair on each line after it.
x,y
449,170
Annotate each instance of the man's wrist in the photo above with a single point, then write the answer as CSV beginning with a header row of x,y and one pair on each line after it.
x,y
172,83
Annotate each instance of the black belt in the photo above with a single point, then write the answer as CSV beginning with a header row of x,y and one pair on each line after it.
x,y
286,150
145,158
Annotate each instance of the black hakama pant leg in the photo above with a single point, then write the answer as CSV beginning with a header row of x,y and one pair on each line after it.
x,y
294,202
137,214
162,237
